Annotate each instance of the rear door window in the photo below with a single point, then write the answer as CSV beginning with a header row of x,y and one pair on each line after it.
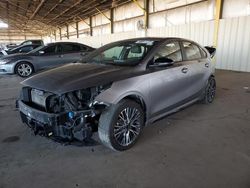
x,y
191,51
70,48
171,51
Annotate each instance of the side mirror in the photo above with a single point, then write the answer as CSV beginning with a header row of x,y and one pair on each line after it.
x,y
162,62
41,52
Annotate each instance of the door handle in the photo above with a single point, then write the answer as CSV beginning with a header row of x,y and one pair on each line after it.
x,y
207,65
184,70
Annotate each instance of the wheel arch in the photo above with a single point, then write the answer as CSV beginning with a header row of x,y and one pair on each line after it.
x,y
114,95
212,76
138,99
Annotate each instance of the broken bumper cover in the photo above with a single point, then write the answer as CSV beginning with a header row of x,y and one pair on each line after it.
x,y
50,125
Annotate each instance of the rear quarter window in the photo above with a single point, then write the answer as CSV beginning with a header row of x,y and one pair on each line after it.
x,y
192,51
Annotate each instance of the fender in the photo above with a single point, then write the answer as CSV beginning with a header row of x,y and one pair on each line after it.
x,y
119,90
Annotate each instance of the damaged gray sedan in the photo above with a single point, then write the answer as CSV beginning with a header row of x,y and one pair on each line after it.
x,y
117,90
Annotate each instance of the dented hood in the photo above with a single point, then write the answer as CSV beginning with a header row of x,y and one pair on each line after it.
x,y
76,76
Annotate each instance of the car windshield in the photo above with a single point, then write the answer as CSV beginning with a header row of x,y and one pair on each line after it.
x,y
127,53
36,50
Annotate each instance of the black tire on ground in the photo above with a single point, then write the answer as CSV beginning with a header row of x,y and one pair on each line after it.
x,y
121,125
24,69
210,91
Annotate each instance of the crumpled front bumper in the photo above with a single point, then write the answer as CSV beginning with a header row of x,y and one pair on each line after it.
x,y
53,125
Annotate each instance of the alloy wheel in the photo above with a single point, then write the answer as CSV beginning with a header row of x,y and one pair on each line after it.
x,y
24,69
127,127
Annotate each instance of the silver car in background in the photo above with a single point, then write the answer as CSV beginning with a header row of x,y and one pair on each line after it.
x,y
44,57
117,90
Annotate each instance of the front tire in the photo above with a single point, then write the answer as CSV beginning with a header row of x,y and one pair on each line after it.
x,y
121,125
24,69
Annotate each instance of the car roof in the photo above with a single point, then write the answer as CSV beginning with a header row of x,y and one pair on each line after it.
x,y
160,39
132,39
155,38
33,40
52,43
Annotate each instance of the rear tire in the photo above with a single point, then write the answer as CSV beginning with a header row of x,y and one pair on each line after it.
x,y
121,125
24,69
210,91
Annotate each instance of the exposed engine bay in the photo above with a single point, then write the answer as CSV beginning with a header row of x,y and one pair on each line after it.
x,y
71,116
